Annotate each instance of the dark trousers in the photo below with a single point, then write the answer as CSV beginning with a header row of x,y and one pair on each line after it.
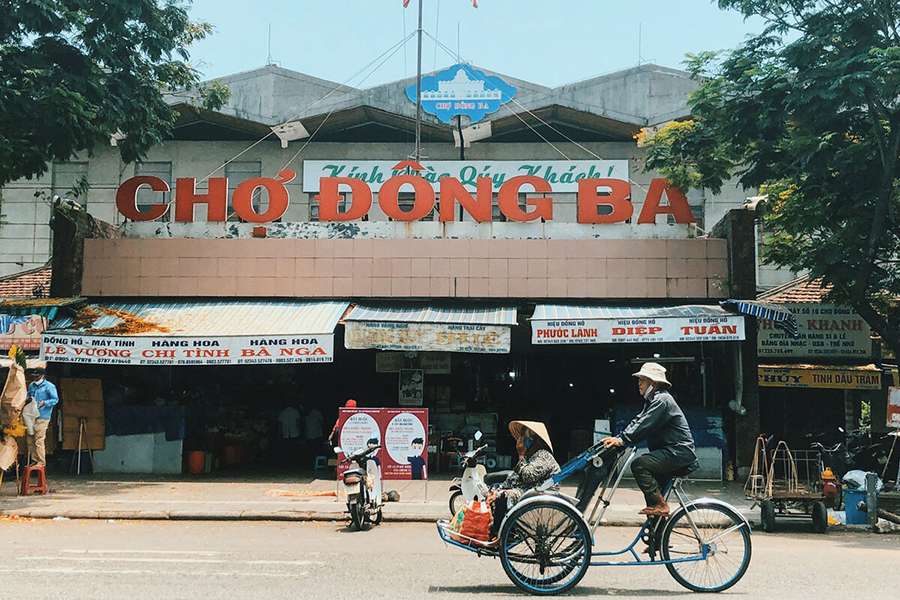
x,y
653,470
501,506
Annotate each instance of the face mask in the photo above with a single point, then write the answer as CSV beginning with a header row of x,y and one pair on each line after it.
x,y
528,442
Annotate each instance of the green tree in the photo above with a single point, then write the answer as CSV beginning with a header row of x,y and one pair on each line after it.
x,y
73,73
808,113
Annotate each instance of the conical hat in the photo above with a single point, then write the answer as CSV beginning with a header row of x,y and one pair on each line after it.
x,y
536,427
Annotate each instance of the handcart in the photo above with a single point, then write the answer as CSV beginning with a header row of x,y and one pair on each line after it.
x,y
546,541
787,484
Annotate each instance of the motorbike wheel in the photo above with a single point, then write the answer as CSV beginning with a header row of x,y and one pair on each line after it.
x,y
819,517
357,514
767,516
456,503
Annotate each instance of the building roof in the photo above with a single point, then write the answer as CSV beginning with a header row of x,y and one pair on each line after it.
x,y
33,283
799,291
611,107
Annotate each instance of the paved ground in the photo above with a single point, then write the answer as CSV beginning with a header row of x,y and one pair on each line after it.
x,y
272,499
101,560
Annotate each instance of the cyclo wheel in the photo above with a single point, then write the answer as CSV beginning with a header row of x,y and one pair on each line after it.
x,y
545,547
724,533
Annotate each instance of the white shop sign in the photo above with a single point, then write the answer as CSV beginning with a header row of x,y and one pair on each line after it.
x,y
426,337
141,350
562,175
647,330
825,330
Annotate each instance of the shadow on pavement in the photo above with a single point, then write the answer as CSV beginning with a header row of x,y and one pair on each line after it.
x,y
585,590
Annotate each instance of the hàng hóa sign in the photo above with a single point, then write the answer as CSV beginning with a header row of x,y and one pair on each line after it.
x,y
145,350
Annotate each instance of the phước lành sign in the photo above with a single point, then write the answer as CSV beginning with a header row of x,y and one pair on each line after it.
x,y
145,350
644,330
427,337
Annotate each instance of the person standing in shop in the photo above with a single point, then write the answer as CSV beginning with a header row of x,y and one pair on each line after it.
x,y
45,397
334,438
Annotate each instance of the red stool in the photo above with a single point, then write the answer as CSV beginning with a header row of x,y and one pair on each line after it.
x,y
28,487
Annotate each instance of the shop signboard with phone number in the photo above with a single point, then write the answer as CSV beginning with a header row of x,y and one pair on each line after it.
x,y
643,330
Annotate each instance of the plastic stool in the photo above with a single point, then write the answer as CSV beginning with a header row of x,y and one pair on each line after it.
x,y
320,464
27,487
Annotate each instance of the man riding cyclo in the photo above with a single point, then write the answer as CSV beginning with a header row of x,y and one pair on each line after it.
x,y
662,424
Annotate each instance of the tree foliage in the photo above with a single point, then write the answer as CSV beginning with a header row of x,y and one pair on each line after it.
x,y
808,112
73,73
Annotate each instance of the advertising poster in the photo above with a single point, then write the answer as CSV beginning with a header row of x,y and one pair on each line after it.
x,y
402,434
412,387
23,331
893,408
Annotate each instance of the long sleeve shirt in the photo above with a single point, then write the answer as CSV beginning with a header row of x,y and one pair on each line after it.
x,y
661,424
44,392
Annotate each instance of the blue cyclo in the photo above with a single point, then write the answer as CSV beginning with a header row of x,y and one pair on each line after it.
x,y
546,540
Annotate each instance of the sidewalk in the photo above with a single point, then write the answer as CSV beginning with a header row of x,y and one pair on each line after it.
x,y
276,499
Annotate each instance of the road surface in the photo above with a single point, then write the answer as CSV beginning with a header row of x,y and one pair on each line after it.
x,y
157,560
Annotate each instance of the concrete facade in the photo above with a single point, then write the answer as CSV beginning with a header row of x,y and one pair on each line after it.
x,y
629,269
607,111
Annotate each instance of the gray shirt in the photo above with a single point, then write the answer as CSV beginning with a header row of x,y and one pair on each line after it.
x,y
661,424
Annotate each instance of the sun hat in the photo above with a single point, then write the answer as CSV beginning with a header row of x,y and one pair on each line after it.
x,y
536,427
654,372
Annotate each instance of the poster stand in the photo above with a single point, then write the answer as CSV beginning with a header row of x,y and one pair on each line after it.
x,y
76,459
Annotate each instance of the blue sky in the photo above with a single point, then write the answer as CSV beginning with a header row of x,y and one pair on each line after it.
x,y
550,42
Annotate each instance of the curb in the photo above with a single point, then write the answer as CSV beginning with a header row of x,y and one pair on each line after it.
x,y
286,516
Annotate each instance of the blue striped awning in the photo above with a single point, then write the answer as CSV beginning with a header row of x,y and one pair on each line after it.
x,y
432,313
780,316
566,312
214,318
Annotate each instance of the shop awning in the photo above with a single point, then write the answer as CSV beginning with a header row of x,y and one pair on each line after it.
x,y
861,377
430,328
780,316
23,320
596,324
204,332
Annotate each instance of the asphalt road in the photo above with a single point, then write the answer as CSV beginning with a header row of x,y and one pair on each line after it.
x,y
134,560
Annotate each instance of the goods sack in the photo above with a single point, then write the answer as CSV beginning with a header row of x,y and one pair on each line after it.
x,y
476,523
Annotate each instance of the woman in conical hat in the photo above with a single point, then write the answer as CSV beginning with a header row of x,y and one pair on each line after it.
x,y
536,464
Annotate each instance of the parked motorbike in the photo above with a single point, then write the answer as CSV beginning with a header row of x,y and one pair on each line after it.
x,y
475,481
362,484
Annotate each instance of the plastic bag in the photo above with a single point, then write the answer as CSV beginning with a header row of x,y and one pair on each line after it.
x,y
856,480
476,522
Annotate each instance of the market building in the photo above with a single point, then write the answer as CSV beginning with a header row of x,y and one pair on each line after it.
x,y
285,251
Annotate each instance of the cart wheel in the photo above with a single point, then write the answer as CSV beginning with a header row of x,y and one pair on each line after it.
x,y
767,515
819,517
545,547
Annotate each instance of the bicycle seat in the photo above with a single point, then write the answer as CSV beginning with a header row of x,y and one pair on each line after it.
x,y
685,471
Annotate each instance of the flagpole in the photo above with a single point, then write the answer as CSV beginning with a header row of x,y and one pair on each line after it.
x,y
418,151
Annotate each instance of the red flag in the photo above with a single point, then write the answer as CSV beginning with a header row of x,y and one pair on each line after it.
x,y
474,3
405,3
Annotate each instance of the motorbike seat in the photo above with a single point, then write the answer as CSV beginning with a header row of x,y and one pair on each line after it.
x,y
496,477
